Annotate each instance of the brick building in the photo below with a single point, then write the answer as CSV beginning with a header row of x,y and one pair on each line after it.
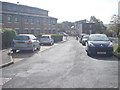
x,y
26,19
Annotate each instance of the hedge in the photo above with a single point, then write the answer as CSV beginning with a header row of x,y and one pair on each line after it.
x,y
7,37
57,37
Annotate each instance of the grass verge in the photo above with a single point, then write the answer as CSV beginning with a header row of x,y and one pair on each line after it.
x,y
116,49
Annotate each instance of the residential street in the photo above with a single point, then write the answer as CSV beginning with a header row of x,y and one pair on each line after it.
x,y
65,65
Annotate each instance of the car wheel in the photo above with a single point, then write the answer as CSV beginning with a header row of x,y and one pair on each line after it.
x,y
88,53
51,44
38,48
33,50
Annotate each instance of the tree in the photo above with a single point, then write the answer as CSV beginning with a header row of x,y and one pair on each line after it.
x,y
115,24
99,26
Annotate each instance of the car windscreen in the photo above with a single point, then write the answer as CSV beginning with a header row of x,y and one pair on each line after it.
x,y
98,38
21,38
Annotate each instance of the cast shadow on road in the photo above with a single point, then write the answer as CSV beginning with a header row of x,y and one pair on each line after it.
x,y
24,54
105,58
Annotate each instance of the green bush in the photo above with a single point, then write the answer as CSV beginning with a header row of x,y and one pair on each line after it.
x,y
57,37
7,37
39,36
118,49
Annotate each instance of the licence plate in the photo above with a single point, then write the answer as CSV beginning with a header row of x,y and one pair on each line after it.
x,y
20,45
101,52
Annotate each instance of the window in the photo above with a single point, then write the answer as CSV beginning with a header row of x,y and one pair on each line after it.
x,y
37,21
53,22
26,20
31,20
32,31
9,18
90,26
17,31
50,31
26,31
16,19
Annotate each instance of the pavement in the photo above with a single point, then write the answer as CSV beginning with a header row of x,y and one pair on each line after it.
x,y
6,57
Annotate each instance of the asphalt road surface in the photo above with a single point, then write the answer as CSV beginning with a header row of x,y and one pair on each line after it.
x,y
65,65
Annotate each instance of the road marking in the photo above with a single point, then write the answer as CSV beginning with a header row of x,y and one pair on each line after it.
x,y
4,80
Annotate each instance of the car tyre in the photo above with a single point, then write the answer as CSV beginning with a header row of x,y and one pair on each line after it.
x,y
38,48
88,54
33,50
51,44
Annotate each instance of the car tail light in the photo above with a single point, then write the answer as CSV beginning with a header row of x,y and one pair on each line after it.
x,y
29,42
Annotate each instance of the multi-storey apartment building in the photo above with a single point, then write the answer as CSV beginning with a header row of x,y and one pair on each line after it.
x,y
26,19
84,26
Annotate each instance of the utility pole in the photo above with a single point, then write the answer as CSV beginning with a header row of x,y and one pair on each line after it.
x,y
20,19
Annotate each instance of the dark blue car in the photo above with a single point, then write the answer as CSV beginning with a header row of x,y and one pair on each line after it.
x,y
99,44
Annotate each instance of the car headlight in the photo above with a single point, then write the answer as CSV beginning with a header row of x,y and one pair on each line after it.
x,y
91,45
110,45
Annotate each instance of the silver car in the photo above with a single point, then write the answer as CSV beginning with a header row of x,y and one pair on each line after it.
x,y
25,42
46,39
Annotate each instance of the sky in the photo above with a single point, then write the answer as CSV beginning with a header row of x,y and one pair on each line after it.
x,y
75,10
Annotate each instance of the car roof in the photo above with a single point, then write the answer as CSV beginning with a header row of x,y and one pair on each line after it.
x,y
86,35
46,35
96,34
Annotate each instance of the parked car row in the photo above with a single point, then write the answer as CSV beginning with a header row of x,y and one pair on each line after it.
x,y
97,44
30,42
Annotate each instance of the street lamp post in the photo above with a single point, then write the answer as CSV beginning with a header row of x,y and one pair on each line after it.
x,y
18,18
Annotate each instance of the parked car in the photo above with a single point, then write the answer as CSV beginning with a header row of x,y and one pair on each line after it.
x,y
81,36
99,44
84,39
25,42
46,39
